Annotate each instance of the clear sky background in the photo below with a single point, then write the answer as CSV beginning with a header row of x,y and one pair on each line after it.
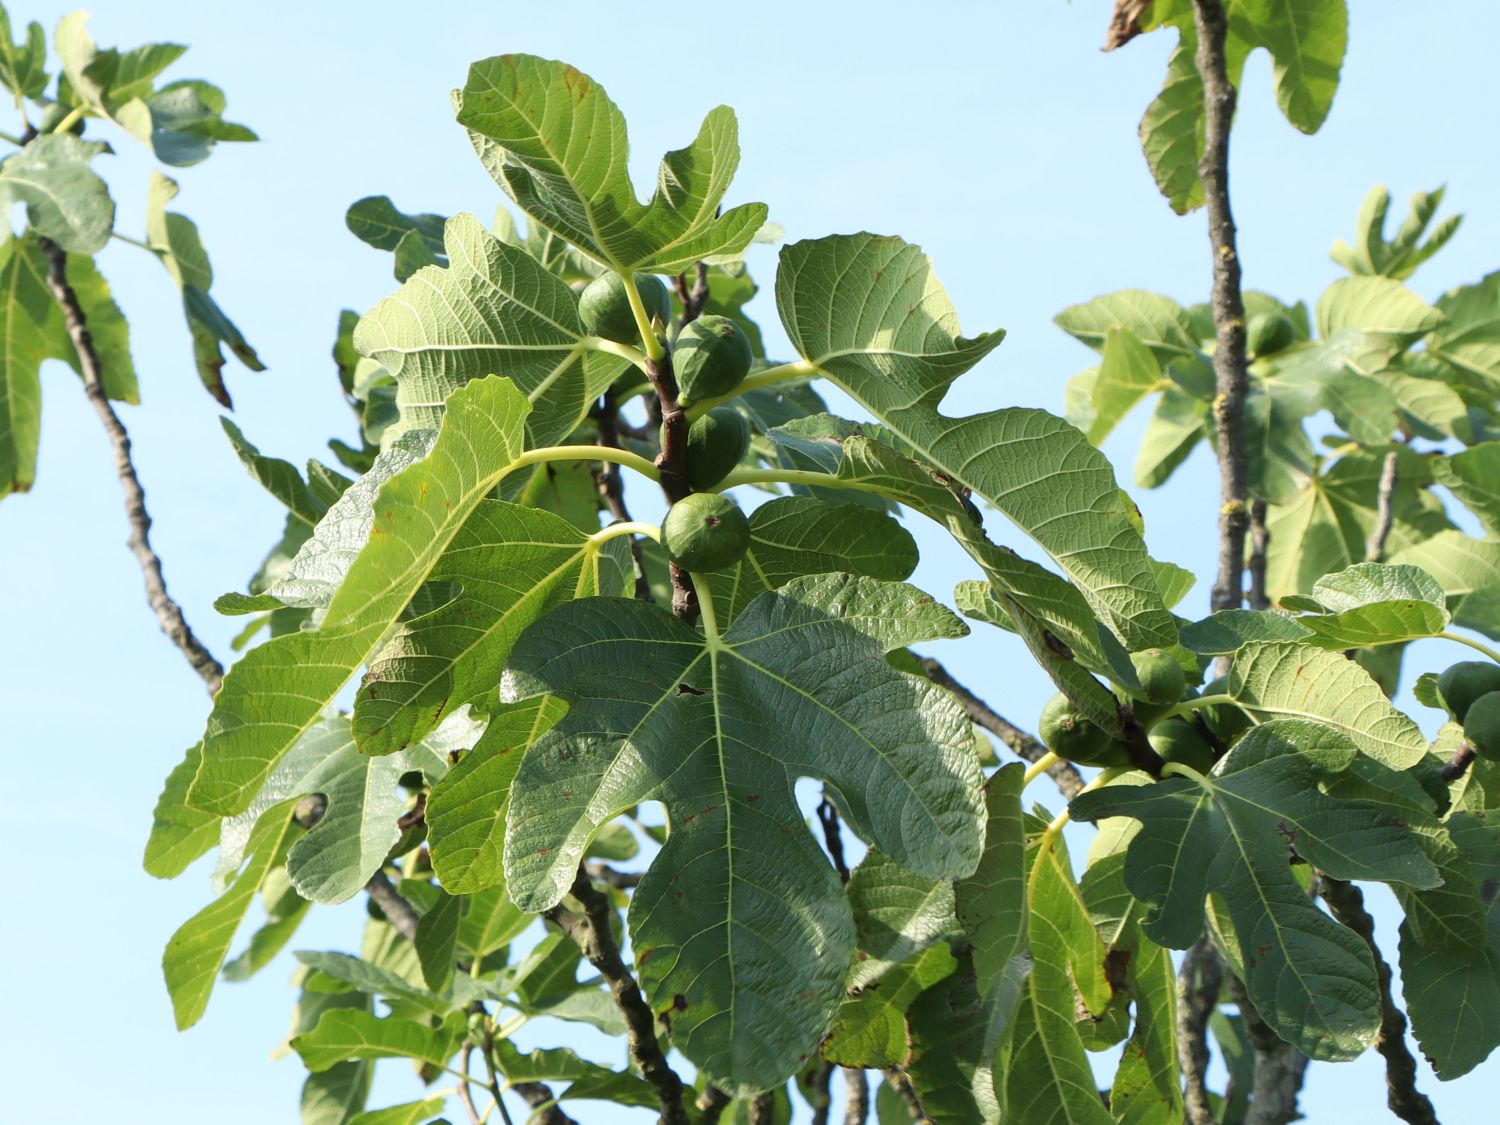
x,y
996,135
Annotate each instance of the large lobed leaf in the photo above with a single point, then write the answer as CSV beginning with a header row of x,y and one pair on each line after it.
x,y
1229,834
552,138
740,932
870,314
280,689
493,310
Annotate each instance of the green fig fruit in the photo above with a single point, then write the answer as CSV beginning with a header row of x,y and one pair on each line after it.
x,y
716,443
604,306
1179,740
1269,333
1463,683
711,358
1161,676
705,531
1482,726
1069,735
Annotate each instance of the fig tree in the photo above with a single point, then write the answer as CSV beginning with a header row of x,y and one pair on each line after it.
x,y
1463,683
1178,740
604,306
705,531
1069,735
711,357
1161,676
1482,726
716,443
1269,333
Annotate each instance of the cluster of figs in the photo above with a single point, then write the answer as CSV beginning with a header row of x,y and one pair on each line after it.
x,y
1470,692
1176,738
711,357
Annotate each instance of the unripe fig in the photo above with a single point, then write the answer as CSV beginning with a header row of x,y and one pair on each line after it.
x,y
1069,735
716,443
1161,676
604,306
1482,726
1269,333
1178,740
1463,683
705,531
711,358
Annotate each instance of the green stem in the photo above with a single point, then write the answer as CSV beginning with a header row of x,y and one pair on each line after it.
x,y
706,609
1188,706
17,141
134,241
75,115
1060,821
1179,770
1039,767
793,476
600,344
587,453
766,378
626,527
1476,645
654,350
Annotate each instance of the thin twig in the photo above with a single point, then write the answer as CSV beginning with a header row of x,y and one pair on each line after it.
x,y
1385,508
672,461
613,876
763,1109
168,613
901,1082
1068,779
820,1093
693,299
1347,904
1197,997
398,912
543,1103
711,1104
612,489
494,1080
1260,541
1455,767
1227,302
591,932
833,838
465,1095
856,1096
1279,1067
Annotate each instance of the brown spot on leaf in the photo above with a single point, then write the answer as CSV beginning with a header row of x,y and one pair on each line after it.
x,y
688,689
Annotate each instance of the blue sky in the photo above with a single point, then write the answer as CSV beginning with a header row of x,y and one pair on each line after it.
x,y
997,136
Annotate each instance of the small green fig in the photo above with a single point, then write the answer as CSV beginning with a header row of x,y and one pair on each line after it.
x,y
1069,735
1178,740
711,358
1482,726
1161,676
604,306
1463,683
716,443
705,531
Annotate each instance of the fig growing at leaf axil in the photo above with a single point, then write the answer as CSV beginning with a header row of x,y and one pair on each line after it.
x,y
1161,677
1461,684
711,358
604,306
1069,735
716,443
1178,740
705,531
1482,726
